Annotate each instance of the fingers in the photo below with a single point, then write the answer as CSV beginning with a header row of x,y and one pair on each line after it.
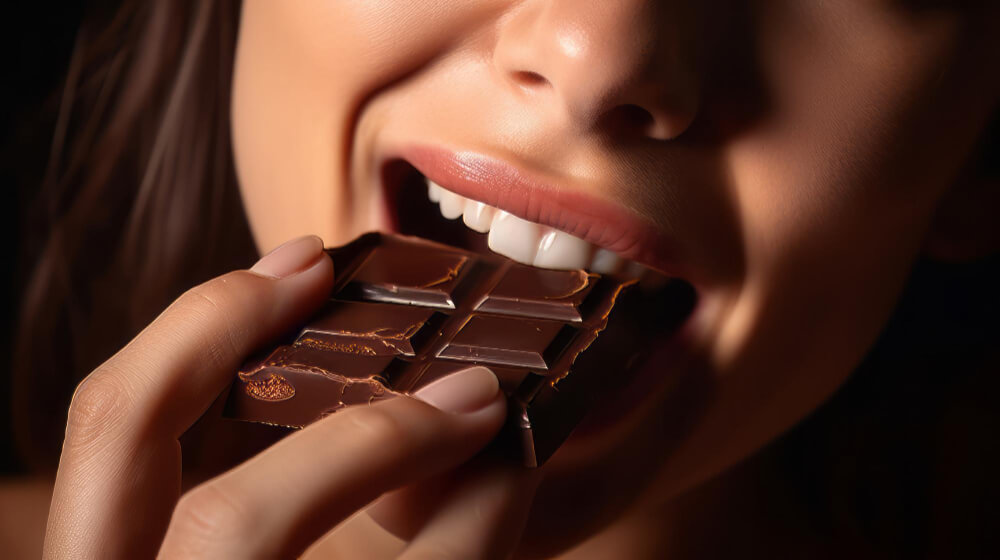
x,y
404,512
175,368
119,474
482,517
278,503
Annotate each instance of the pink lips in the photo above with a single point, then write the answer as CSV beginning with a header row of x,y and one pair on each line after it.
x,y
528,196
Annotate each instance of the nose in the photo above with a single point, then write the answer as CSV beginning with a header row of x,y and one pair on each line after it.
x,y
615,65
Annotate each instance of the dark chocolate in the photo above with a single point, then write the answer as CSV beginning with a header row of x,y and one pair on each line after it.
x,y
405,312
392,275
371,329
509,341
537,292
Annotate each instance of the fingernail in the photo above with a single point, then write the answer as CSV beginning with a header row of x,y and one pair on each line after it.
x,y
464,391
290,257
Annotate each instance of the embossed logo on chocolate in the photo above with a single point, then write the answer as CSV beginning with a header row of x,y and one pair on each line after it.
x,y
274,388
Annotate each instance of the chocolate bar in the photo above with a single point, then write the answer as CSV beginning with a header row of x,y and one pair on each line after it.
x,y
405,312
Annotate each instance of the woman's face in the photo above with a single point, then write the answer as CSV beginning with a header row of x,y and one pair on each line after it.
x,y
781,156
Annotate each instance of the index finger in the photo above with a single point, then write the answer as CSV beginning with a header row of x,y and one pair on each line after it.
x,y
176,367
121,444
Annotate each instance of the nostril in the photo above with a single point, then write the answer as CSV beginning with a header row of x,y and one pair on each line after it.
x,y
627,119
529,79
635,116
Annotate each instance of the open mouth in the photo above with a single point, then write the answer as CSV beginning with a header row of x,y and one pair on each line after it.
x,y
410,211
423,208
417,204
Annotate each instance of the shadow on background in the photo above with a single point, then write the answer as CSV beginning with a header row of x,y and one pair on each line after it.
x,y
37,42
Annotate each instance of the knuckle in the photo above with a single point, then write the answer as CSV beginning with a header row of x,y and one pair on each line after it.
x,y
212,306
100,403
208,514
205,300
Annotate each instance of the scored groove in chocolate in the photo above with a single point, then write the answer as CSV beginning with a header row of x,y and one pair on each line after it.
x,y
389,276
370,329
509,341
536,292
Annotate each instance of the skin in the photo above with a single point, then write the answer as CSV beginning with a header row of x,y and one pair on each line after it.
x,y
793,156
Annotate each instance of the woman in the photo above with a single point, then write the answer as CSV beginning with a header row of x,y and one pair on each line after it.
x,y
792,162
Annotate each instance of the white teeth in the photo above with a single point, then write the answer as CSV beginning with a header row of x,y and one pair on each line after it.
x,y
478,216
558,249
452,205
605,262
528,242
434,191
513,237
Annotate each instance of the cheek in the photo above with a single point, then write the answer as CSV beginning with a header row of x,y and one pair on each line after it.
x,y
302,70
827,198
830,217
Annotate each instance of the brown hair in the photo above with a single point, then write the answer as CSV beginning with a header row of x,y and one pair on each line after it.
x,y
139,200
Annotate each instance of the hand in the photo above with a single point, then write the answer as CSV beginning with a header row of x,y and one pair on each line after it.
x,y
118,488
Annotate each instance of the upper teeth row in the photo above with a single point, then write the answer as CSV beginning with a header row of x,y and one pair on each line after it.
x,y
528,242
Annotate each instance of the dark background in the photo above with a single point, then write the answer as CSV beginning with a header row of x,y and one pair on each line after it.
x,y
37,41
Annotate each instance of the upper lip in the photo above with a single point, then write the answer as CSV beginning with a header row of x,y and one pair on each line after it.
x,y
541,200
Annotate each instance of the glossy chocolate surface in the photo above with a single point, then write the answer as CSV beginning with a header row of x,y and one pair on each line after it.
x,y
405,312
